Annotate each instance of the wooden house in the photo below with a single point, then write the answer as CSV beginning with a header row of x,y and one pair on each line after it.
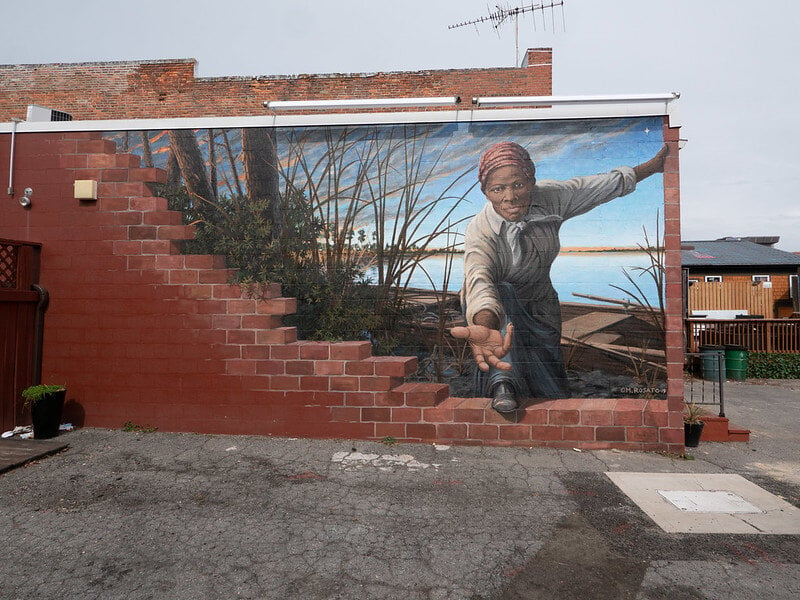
x,y
734,276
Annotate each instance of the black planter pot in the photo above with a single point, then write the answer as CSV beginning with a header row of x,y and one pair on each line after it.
x,y
692,433
46,415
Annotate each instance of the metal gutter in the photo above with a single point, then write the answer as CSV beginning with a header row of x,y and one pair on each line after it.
x,y
14,125
522,108
38,329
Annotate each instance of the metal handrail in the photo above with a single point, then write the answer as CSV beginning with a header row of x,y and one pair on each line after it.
x,y
719,381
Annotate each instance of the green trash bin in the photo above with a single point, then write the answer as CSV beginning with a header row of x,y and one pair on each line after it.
x,y
711,363
736,362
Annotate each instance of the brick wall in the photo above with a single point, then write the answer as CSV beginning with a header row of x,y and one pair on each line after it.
x,y
139,332
674,289
168,88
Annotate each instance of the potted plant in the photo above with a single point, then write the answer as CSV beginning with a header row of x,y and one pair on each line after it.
x,y
46,402
692,424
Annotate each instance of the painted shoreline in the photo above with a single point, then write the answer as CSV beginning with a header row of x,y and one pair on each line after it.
x,y
588,249
369,253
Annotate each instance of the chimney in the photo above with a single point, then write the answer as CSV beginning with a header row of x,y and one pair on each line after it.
x,y
538,57
541,61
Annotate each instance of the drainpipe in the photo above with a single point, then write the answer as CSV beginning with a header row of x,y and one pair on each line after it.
x,y
38,332
14,122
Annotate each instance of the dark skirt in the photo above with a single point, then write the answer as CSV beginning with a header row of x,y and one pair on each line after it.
x,y
535,356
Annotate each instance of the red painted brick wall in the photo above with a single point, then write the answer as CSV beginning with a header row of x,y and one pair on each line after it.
x,y
169,88
674,289
139,332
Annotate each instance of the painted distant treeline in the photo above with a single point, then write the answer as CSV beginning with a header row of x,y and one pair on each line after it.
x,y
564,250
582,249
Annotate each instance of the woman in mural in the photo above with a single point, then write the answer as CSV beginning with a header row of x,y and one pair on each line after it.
x,y
512,310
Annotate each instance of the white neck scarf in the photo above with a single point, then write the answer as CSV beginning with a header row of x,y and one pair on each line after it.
x,y
513,232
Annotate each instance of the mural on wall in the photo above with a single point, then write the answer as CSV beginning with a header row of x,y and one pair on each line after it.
x,y
432,239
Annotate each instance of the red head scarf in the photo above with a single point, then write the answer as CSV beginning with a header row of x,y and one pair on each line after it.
x,y
504,154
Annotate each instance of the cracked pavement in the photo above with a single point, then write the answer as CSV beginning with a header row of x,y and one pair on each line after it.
x,y
156,515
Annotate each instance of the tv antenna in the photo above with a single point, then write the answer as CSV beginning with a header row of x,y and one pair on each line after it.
x,y
502,14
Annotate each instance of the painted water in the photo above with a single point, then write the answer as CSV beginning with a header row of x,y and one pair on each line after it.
x,y
590,273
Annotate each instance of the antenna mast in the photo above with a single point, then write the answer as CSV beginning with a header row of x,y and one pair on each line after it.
x,y
502,14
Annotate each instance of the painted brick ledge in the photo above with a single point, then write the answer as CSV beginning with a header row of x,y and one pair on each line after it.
x,y
627,423
587,424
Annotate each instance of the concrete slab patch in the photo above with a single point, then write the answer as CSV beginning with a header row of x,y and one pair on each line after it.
x,y
708,503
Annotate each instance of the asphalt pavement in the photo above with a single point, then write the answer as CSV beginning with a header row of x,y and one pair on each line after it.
x,y
138,514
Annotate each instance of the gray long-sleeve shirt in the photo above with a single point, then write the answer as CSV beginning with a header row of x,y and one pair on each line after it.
x,y
487,250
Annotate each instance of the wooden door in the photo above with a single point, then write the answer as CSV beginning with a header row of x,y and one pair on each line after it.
x,y
20,351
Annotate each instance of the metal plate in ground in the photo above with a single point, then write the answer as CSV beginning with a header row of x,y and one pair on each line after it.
x,y
712,501
654,492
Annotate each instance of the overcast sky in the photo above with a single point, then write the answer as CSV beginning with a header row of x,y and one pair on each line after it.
x,y
733,61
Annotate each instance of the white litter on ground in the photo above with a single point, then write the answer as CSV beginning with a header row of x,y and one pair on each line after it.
x,y
23,431
383,462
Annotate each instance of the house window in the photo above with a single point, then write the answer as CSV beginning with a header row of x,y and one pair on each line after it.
x,y
713,278
757,278
792,285
693,281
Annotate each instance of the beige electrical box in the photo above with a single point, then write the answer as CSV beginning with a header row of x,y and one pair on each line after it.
x,y
85,189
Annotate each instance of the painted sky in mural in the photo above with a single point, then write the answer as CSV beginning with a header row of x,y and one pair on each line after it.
x,y
446,157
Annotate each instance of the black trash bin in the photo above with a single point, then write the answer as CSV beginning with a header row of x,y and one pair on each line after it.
x,y
736,362
711,363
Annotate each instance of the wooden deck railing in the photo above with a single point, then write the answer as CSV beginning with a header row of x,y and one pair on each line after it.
x,y
757,335
20,327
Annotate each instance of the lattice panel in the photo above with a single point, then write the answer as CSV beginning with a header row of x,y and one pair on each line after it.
x,y
8,266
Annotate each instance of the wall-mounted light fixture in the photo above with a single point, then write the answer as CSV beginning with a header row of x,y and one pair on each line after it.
x,y
25,201
276,105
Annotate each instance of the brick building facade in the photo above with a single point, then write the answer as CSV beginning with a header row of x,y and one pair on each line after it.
x,y
140,332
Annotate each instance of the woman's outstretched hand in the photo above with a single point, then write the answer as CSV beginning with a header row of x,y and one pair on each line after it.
x,y
654,165
489,346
